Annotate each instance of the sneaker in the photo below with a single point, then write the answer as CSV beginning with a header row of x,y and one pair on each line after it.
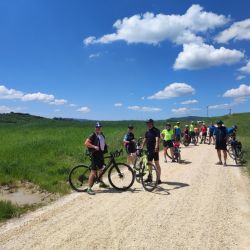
x,y
90,191
173,160
225,164
149,178
165,161
103,185
218,163
159,182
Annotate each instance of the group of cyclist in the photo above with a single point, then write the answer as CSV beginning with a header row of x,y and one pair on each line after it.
x,y
96,144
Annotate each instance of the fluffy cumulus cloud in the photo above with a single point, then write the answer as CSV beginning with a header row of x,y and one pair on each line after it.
x,y
220,106
189,102
13,94
184,110
237,31
246,68
198,56
117,105
240,77
144,109
92,56
242,91
173,90
83,110
153,29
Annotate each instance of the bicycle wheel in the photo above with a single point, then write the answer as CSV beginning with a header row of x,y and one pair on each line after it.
x,y
231,152
78,177
168,153
137,169
121,176
149,177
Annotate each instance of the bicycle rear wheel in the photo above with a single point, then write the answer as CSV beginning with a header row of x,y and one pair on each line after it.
x,y
168,153
78,177
149,177
137,169
121,176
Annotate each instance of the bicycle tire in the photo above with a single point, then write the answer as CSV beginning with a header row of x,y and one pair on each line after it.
x,y
78,176
149,185
169,154
137,169
117,173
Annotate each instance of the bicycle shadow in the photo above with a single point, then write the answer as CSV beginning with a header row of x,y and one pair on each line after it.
x,y
115,191
166,191
184,162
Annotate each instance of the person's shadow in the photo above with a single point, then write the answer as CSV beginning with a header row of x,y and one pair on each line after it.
x,y
176,185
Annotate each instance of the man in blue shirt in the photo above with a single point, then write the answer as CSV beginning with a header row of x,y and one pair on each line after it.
x,y
211,129
220,134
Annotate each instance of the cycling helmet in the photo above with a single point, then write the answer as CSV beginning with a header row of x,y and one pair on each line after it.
x,y
219,122
168,124
186,126
98,125
130,126
178,123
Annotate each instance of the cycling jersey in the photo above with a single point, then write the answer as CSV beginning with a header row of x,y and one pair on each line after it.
x,y
168,134
177,130
150,136
191,128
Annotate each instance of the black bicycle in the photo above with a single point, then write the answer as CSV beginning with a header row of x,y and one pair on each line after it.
x,y
120,175
234,149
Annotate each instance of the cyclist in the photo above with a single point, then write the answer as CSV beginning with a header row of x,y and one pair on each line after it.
x,y
196,132
186,133
152,141
129,143
211,129
167,135
203,133
177,132
97,146
220,134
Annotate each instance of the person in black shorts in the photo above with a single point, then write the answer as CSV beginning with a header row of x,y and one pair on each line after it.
x,y
129,144
220,134
152,141
97,146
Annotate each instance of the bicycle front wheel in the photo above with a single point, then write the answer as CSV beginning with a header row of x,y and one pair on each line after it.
x,y
78,177
149,177
121,176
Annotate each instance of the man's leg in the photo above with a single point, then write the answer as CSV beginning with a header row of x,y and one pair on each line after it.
x,y
165,153
172,153
158,167
219,155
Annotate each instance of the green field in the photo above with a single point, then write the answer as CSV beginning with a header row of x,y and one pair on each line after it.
x,y
44,150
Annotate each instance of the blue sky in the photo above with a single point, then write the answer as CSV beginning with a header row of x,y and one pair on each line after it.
x,y
125,59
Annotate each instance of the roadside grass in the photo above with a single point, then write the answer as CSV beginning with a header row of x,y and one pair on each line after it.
x,y
9,210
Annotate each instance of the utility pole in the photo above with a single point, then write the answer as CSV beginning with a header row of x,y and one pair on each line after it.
x,y
207,110
230,111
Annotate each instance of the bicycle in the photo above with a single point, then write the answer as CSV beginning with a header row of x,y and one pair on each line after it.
x,y
120,175
234,149
177,152
145,172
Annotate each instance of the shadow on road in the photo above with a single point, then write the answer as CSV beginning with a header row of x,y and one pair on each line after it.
x,y
165,191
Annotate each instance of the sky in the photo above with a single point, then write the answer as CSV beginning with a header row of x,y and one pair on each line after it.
x,y
122,60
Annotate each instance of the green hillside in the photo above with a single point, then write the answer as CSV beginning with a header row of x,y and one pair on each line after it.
x,y
43,150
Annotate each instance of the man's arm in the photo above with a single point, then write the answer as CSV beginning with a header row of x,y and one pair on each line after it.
x,y
88,144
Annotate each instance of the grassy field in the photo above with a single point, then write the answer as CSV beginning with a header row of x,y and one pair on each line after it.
x,y
43,151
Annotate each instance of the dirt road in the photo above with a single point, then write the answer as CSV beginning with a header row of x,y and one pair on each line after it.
x,y
199,206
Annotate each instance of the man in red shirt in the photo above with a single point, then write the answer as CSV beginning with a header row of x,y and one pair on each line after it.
x,y
203,133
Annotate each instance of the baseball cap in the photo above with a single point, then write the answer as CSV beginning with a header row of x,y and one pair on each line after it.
x,y
150,121
219,122
98,125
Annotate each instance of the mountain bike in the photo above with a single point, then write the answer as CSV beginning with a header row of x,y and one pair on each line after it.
x,y
120,175
145,172
234,149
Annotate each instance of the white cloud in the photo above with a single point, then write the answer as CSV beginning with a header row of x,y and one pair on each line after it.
x,y
59,102
184,110
242,91
13,94
91,56
144,109
246,68
83,110
173,90
198,56
153,29
57,110
6,93
72,105
118,105
189,102
240,77
237,31
220,106
6,109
